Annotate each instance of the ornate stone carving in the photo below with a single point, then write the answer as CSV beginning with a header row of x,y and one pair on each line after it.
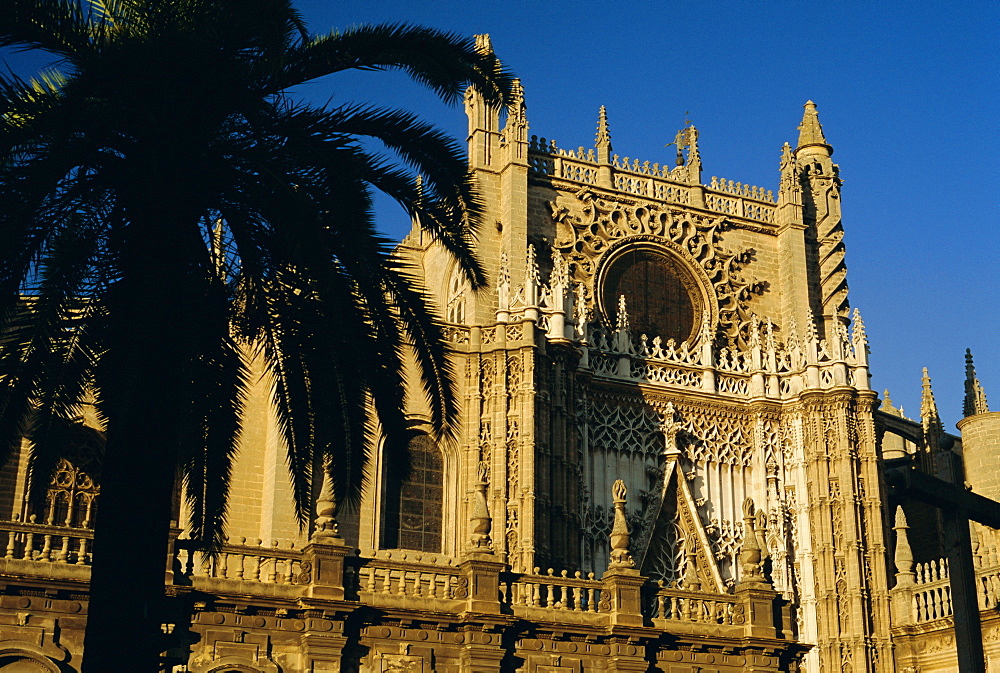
x,y
589,225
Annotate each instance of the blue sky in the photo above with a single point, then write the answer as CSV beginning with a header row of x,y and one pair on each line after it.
x,y
907,94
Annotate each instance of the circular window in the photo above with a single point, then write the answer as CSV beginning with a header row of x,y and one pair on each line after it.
x,y
659,295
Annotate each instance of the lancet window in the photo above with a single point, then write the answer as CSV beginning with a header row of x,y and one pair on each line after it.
x,y
415,514
456,298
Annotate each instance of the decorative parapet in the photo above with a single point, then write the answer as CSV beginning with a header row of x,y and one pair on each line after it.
x,y
651,180
767,368
929,592
739,189
553,591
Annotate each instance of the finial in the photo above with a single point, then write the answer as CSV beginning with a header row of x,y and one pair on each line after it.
x,y
603,139
559,278
929,418
516,127
503,283
888,407
670,427
482,522
483,43
904,556
858,334
620,557
786,156
975,396
603,132
326,507
750,556
810,130
531,260
622,322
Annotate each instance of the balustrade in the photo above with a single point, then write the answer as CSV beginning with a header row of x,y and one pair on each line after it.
x,y
243,562
782,366
402,573
557,592
47,543
688,606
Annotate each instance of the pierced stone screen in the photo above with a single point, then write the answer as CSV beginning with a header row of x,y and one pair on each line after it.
x,y
658,302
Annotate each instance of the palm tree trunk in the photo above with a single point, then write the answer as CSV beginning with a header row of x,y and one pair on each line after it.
x,y
150,348
130,548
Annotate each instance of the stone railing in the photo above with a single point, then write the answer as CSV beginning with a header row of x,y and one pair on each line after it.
x,y
652,181
930,592
554,591
664,603
766,369
46,543
255,564
391,575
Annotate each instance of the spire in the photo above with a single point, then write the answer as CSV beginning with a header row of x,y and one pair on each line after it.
x,y
603,139
975,396
810,130
929,418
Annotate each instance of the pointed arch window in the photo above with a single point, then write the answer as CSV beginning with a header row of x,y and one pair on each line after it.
x,y
414,513
72,496
456,298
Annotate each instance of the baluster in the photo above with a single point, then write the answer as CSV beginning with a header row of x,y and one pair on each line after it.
x,y
591,599
674,608
578,599
51,502
289,576
536,594
63,554
686,609
240,559
222,570
81,554
11,544
563,603
918,606
187,566
401,587
947,601
272,576
46,549
370,582
449,586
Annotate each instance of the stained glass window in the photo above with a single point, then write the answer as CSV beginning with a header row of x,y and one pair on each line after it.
x,y
414,514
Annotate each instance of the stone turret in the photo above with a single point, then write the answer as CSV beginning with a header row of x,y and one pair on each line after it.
x,y
980,436
820,181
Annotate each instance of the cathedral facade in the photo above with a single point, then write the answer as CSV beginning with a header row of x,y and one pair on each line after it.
x,y
670,458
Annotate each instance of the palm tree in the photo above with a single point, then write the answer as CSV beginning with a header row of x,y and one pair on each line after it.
x,y
168,212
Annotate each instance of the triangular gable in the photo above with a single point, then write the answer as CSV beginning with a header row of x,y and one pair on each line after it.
x,y
674,516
